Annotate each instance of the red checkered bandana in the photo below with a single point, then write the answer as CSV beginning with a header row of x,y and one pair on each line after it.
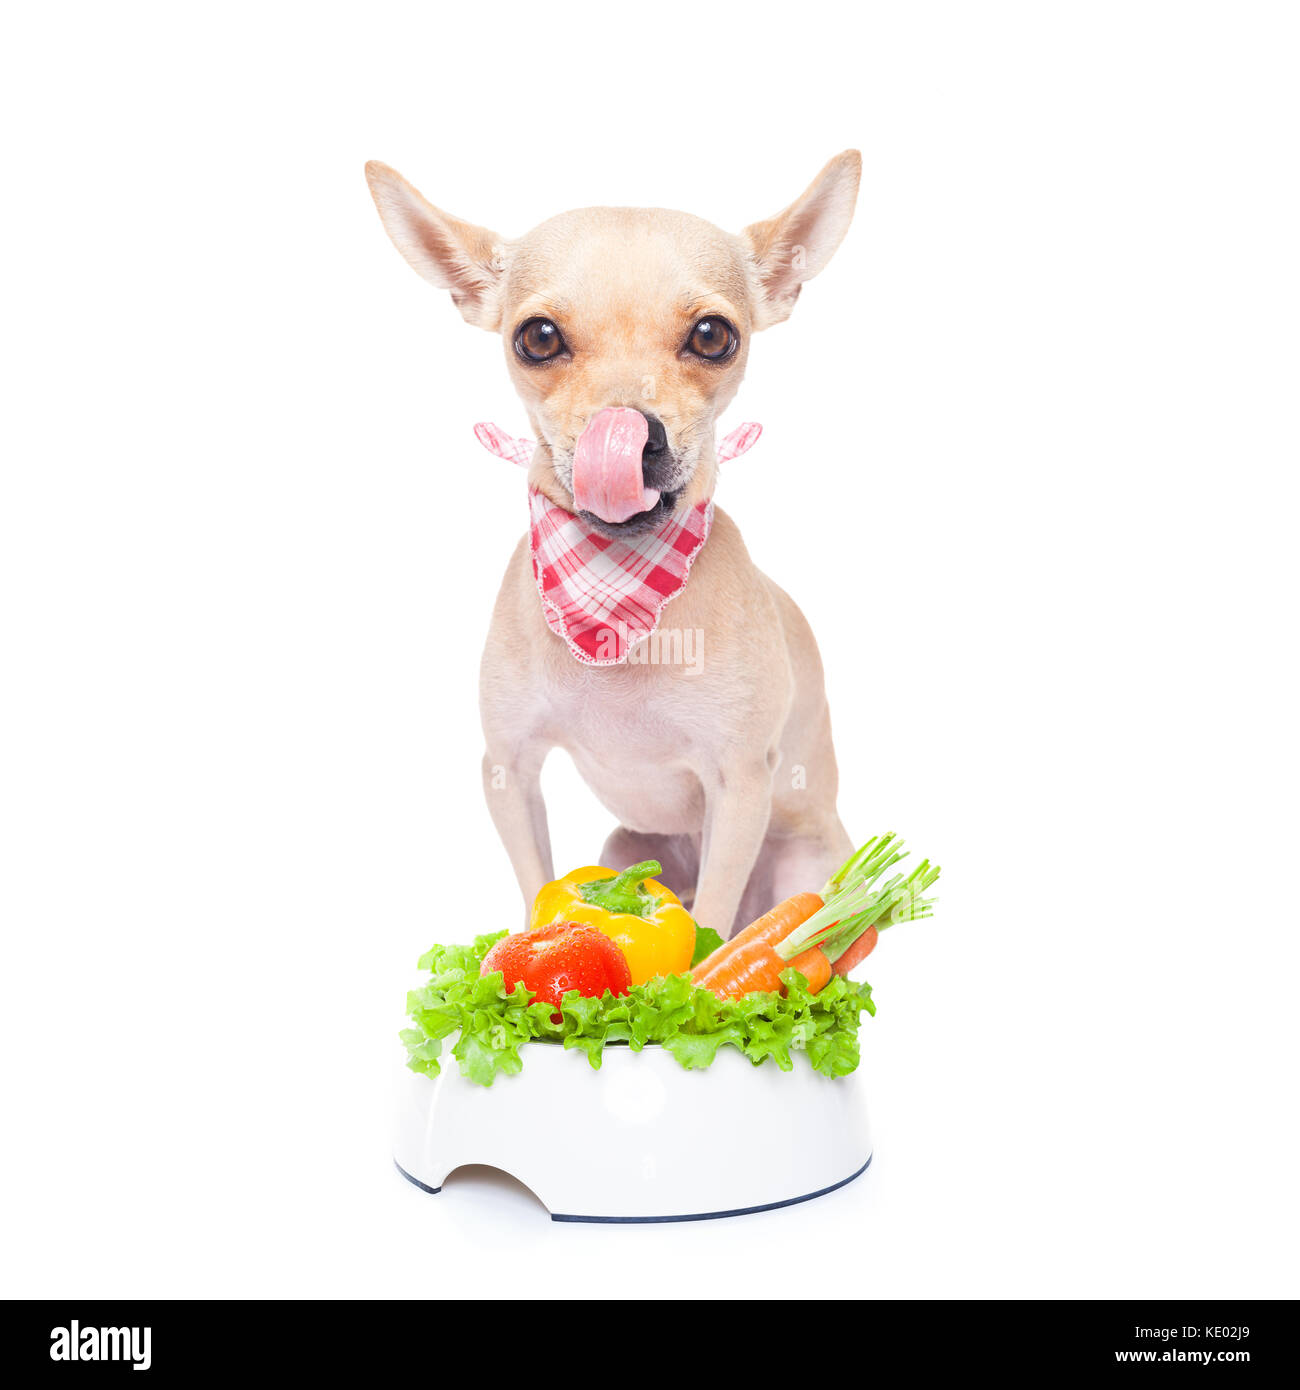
x,y
604,597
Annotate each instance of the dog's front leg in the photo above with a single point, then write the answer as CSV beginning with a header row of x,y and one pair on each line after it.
x,y
513,787
738,806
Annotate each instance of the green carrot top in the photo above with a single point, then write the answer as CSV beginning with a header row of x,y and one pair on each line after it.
x,y
855,900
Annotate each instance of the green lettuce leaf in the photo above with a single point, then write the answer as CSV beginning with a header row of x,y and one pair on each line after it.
x,y
706,942
491,1025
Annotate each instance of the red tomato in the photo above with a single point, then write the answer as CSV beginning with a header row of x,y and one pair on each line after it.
x,y
563,956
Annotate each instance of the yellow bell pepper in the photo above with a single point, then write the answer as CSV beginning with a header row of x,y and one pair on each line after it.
x,y
653,929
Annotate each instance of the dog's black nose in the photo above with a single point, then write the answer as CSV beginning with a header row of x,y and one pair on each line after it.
x,y
656,441
657,464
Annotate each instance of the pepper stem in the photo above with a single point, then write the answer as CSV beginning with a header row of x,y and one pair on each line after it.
x,y
622,893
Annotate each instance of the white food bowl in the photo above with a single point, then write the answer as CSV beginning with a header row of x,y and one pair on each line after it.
x,y
642,1139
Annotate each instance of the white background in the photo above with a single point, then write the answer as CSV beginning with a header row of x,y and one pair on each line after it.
x,y
1029,468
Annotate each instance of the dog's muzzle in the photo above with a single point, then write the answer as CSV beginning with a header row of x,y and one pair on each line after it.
x,y
620,457
654,456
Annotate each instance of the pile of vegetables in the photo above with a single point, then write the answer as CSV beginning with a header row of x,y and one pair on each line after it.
x,y
614,958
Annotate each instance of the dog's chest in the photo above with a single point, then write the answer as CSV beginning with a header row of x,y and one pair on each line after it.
x,y
631,736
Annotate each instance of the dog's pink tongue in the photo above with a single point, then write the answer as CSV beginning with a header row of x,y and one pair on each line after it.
x,y
607,466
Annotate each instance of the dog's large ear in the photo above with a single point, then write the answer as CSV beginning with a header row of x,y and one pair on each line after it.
x,y
795,245
457,256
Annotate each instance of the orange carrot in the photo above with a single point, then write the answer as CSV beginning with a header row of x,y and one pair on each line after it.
x,y
821,936
858,951
755,967
814,966
771,927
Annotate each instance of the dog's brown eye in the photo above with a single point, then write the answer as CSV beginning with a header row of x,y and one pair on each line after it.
x,y
538,340
713,339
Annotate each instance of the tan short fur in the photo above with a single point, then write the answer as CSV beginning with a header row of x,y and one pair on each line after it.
x,y
726,773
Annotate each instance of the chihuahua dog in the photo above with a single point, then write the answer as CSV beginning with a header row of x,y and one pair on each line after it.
x,y
721,768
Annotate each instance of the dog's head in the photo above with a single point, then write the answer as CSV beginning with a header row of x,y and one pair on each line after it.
x,y
626,330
